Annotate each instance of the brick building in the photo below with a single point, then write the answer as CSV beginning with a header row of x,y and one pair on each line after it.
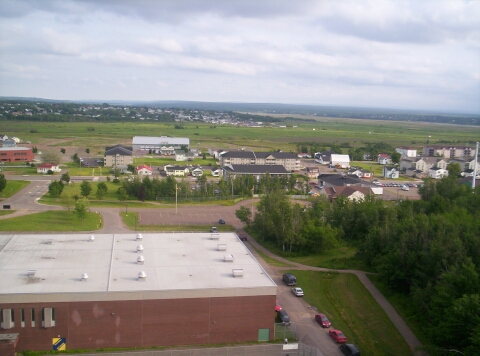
x,y
16,154
129,290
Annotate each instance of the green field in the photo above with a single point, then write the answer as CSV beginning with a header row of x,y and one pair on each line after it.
x,y
52,221
352,309
13,186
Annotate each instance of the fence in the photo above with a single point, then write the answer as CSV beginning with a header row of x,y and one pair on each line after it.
x,y
285,331
196,199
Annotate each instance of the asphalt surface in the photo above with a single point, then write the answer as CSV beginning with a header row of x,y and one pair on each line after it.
x,y
308,331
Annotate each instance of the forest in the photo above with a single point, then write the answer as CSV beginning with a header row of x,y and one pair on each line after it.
x,y
427,250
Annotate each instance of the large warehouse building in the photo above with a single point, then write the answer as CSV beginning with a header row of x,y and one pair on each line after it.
x,y
162,144
128,290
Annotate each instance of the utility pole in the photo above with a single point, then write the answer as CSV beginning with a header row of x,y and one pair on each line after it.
x,y
475,163
176,199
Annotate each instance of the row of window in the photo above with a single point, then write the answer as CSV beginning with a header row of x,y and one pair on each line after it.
x,y
7,318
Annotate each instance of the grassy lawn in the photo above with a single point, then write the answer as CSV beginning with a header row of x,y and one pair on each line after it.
x,y
352,309
6,212
403,306
271,261
13,186
63,221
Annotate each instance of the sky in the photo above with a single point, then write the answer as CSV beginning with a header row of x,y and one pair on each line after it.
x,y
419,54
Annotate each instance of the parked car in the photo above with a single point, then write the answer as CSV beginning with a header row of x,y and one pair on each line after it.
x,y
283,317
278,307
349,350
242,237
289,279
338,336
213,229
323,320
298,292
221,221
405,187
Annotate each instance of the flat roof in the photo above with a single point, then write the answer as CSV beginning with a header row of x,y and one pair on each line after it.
x,y
16,148
177,265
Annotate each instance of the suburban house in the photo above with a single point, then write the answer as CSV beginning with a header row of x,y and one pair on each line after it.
x,y
312,172
342,161
180,155
16,154
303,155
286,159
3,137
352,193
425,163
324,157
339,180
144,170
118,155
176,171
360,173
147,143
384,158
196,152
197,172
406,151
166,151
448,151
437,173
391,172
45,167
257,171
216,152
9,143
216,172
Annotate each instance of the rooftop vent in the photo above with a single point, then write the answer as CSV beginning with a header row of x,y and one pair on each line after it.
x,y
229,258
139,237
222,247
139,248
31,273
237,272
84,277
215,236
140,260
91,238
49,242
142,276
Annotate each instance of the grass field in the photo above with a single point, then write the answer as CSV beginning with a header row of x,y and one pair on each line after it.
x,y
52,221
352,309
12,187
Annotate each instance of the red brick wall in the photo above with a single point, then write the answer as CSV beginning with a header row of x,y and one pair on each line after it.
x,y
121,324
16,156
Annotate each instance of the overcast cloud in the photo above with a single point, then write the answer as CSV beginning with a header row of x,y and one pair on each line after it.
x,y
378,53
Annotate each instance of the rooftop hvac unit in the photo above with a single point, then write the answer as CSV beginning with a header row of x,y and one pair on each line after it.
x,y
229,258
140,260
222,247
91,238
142,276
139,248
139,237
215,236
31,273
237,272
84,277
49,242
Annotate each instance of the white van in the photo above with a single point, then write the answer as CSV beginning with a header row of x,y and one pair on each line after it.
x,y
405,187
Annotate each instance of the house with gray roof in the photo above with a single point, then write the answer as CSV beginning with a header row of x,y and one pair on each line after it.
x,y
234,170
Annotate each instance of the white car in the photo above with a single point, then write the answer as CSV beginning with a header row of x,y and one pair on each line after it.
x,y
405,187
297,292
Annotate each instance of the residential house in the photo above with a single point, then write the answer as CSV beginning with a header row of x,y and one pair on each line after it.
x,y
216,172
176,171
197,152
406,152
215,152
118,155
45,167
144,170
437,173
180,156
425,163
342,161
448,151
197,172
384,158
3,137
339,180
257,171
352,193
360,173
166,151
324,157
286,159
312,172
391,172
303,155
9,143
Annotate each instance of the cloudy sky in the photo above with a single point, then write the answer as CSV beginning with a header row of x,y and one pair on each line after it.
x,y
419,54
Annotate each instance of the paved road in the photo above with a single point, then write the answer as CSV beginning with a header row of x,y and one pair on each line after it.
x,y
25,202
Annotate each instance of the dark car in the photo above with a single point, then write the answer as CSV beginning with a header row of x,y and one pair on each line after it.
x,y
323,320
242,237
221,221
349,350
289,279
283,317
338,336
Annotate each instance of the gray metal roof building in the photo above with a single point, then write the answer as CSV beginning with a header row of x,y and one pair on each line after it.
x,y
150,142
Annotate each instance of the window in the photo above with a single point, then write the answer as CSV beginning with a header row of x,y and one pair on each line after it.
x,y
48,317
22,315
7,319
33,317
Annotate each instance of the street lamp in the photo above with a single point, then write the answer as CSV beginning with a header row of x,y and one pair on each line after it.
x,y
176,199
252,203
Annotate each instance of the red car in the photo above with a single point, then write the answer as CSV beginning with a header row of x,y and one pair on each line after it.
x,y
278,307
323,320
338,336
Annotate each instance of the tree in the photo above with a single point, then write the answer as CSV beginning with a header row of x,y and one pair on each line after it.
x,y
244,214
87,150
51,157
55,189
65,177
131,168
76,159
85,188
81,208
395,156
68,201
3,182
62,150
100,194
454,169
